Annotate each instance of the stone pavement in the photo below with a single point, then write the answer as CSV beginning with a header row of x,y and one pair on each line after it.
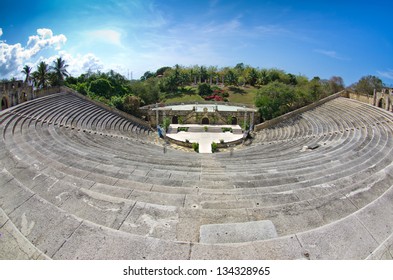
x,y
204,139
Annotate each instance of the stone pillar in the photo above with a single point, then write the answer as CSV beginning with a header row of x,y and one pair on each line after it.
x,y
375,98
157,115
252,120
245,120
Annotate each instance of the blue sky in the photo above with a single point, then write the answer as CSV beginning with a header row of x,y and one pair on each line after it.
x,y
350,39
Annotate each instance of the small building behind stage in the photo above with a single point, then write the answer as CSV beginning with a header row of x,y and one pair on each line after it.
x,y
14,92
214,114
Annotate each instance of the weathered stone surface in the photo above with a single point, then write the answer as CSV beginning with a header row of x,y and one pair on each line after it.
x,y
91,242
345,239
237,232
14,245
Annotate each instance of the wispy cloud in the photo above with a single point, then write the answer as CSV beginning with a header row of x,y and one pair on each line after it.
x,y
330,53
386,74
108,36
1,32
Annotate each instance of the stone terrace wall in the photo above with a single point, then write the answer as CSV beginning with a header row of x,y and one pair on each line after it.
x,y
286,116
362,98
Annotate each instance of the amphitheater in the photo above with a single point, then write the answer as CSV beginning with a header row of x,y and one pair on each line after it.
x,y
80,182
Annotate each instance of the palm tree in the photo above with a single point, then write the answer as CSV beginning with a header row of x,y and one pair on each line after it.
x,y
27,71
59,68
41,76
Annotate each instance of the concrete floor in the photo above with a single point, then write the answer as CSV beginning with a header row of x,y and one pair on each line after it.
x,y
204,138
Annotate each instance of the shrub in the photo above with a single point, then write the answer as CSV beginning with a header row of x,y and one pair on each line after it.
x,y
222,141
181,128
165,123
225,129
205,128
214,147
204,89
195,146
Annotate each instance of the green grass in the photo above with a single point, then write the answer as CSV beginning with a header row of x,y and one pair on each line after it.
x,y
242,95
185,99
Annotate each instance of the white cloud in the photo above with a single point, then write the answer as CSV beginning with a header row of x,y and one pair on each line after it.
x,y
14,57
1,32
386,74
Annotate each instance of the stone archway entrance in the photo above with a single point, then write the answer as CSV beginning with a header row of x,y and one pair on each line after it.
x,y
234,121
175,120
381,103
205,120
4,103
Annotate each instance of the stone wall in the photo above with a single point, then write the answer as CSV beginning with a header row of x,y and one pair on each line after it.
x,y
14,92
192,117
362,98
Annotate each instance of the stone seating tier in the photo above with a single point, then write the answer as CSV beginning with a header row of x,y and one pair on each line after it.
x,y
79,182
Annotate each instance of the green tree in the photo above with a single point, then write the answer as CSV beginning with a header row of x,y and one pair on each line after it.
x,y
131,104
60,69
27,71
336,84
367,84
204,89
41,75
275,99
101,87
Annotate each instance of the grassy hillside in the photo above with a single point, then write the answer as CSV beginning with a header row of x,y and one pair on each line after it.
x,y
244,95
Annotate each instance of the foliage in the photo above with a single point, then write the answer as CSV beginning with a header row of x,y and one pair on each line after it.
x,y
180,128
275,99
195,146
101,87
27,71
204,89
367,84
41,76
59,69
166,122
214,147
225,129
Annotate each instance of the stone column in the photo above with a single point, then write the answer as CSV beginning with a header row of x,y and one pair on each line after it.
x,y
252,121
375,98
245,120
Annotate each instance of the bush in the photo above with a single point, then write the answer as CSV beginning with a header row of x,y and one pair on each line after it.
x,y
180,128
214,147
225,129
204,89
195,146
165,123
222,141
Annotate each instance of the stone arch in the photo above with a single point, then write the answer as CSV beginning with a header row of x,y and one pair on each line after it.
x,y
175,120
205,120
24,97
4,103
382,103
234,120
